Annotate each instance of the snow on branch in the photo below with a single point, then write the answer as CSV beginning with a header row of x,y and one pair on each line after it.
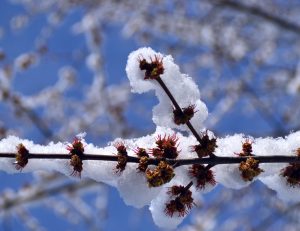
x,y
166,170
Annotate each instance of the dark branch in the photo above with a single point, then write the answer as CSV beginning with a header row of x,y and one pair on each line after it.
x,y
215,160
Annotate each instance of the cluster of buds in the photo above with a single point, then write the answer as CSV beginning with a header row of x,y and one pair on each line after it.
x,y
167,147
144,158
122,157
203,174
153,69
292,172
182,203
76,150
246,148
206,147
250,169
184,115
21,157
160,175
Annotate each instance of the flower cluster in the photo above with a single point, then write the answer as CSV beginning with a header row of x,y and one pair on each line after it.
x,y
144,158
203,175
182,203
206,147
160,175
21,157
184,115
76,150
292,172
153,69
167,147
246,148
250,169
122,156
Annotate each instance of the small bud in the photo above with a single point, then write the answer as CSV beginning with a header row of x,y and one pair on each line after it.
x,y
144,65
176,190
122,157
156,152
182,203
166,147
166,141
122,162
166,171
175,206
203,175
141,152
250,169
121,148
143,164
184,115
21,157
77,165
206,147
76,150
153,69
160,175
292,174
76,147
153,178
247,148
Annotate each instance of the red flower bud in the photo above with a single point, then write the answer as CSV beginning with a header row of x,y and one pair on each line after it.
x,y
206,147
203,175
184,115
21,157
122,157
250,169
182,203
153,69
76,150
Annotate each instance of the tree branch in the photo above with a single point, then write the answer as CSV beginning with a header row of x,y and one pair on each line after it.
x,y
215,160
256,11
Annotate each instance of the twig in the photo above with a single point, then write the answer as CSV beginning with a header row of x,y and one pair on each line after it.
x,y
177,107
